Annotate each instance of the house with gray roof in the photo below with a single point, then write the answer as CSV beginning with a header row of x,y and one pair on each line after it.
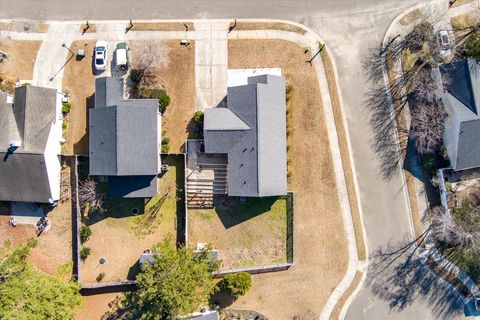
x,y
30,147
459,84
124,137
251,130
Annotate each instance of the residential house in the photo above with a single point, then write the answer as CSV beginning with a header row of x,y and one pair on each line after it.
x,y
30,137
459,83
124,141
251,131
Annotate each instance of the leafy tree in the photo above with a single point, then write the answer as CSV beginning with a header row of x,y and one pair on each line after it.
x,y
177,283
472,45
236,284
25,293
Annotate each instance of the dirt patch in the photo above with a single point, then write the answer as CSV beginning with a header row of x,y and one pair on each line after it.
x,y
162,26
177,77
21,58
119,236
248,234
320,245
94,307
269,26
411,17
79,82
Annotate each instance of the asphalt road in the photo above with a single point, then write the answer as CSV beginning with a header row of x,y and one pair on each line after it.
x,y
350,28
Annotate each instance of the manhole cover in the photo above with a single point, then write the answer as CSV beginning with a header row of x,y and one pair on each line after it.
x,y
101,261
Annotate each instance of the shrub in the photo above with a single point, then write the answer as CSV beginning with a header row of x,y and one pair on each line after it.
x,y
472,45
198,117
165,144
236,284
64,124
66,106
160,94
85,233
136,75
163,103
100,276
84,253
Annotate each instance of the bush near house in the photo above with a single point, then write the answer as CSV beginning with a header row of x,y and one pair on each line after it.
x,y
66,106
155,93
84,253
472,45
165,144
85,233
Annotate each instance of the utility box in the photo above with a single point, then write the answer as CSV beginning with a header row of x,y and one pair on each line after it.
x,y
81,54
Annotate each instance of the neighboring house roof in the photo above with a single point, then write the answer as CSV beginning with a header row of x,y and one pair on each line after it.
x,y
462,80
124,139
468,153
252,131
29,120
461,84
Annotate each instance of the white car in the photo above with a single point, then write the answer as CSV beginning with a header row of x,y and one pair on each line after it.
x,y
101,55
444,45
121,56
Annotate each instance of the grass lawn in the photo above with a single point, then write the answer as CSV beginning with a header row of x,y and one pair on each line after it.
x,y
248,234
21,59
119,236
320,244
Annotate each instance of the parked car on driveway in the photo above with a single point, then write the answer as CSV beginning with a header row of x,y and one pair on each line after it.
x,y
121,56
444,46
101,55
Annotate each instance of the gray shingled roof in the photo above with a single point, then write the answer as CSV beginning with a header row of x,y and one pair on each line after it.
x,y
124,140
462,80
468,154
257,160
23,173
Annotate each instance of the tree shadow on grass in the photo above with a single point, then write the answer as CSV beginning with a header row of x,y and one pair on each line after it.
x,y
399,275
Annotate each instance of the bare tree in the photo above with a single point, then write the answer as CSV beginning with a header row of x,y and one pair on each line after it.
x,y
428,124
148,55
89,197
425,88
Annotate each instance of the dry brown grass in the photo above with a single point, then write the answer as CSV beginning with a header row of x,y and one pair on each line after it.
x,y
321,250
269,26
465,20
162,26
459,3
78,80
178,78
338,307
95,306
92,28
411,17
42,28
345,154
7,26
21,58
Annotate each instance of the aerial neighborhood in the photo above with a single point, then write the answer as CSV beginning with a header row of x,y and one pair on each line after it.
x,y
321,163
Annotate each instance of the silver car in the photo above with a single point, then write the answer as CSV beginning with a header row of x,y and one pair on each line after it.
x,y
444,45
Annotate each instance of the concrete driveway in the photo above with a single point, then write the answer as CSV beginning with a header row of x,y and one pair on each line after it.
x,y
350,28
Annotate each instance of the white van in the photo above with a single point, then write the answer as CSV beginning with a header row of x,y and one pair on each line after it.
x,y
121,56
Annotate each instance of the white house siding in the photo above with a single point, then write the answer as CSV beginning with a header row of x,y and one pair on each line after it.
x,y
53,150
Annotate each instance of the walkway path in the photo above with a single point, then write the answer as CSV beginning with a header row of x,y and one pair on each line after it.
x,y
211,63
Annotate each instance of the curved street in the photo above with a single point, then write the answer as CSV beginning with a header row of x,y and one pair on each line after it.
x,y
350,29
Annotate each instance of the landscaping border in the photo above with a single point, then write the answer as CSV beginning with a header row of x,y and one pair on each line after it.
x,y
76,226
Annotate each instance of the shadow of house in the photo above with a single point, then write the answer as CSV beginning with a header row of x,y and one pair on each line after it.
x,y
81,146
233,210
